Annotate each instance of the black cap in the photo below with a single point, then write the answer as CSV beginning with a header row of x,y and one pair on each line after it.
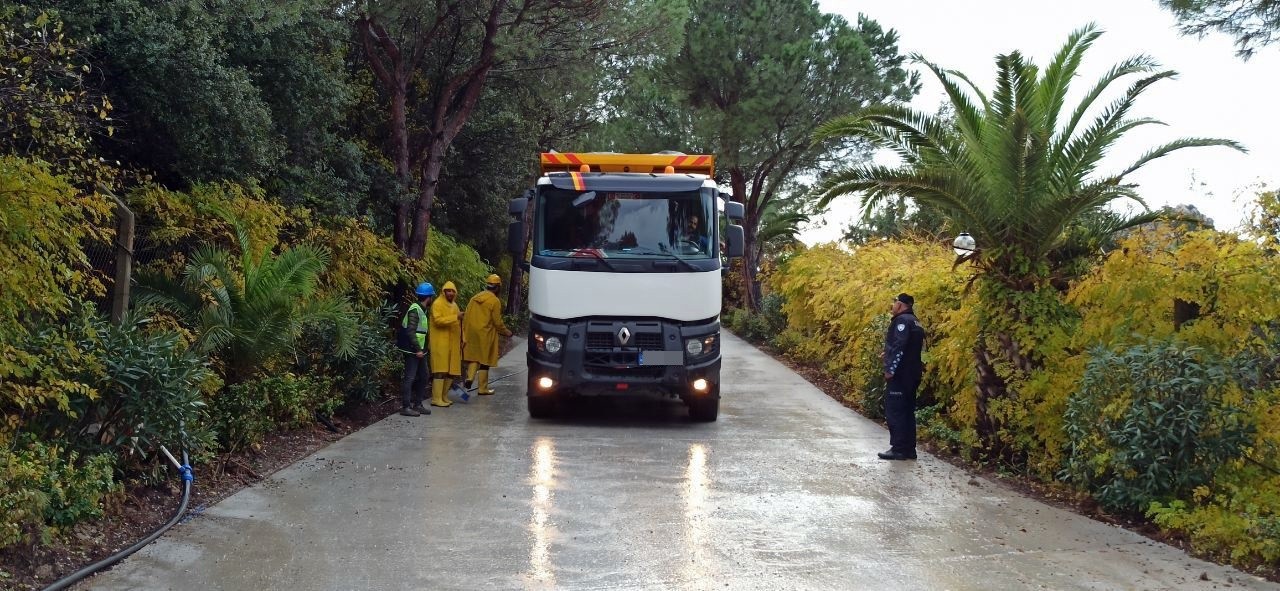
x,y
906,299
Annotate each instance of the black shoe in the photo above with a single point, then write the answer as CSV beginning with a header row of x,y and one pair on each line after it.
x,y
896,455
422,410
409,412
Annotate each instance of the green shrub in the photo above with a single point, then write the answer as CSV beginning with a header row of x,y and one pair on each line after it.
x,y
43,485
149,394
246,412
238,414
775,320
931,421
372,365
1152,423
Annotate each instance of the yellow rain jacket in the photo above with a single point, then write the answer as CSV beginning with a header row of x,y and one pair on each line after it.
x,y
446,335
480,329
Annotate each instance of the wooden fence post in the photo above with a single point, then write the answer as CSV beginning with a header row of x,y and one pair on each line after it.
x,y
124,261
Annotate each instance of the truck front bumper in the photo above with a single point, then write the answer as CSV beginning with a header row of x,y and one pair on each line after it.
x,y
624,380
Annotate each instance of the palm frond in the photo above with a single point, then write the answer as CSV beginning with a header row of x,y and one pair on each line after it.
x,y
1171,147
337,313
155,290
1134,65
1058,76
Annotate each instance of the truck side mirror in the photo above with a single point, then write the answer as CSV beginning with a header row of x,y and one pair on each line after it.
x,y
516,206
735,241
515,239
734,211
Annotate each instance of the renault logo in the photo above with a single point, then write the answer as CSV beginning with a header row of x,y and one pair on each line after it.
x,y
624,335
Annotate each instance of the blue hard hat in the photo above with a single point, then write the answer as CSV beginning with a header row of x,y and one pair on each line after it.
x,y
425,290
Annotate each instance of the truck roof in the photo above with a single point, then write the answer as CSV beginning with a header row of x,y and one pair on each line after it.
x,y
626,181
677,162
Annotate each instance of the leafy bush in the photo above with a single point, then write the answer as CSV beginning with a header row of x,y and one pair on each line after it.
x,y
44,222
931,420
450,260
836,307
245,412
43,485
372,364
293,401
45,370
252,310
1152,423
238,414
150,393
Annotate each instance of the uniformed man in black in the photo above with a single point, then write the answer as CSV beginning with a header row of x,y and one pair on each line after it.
x,y
903,369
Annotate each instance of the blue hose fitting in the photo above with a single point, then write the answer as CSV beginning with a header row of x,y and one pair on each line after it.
x,y
187,475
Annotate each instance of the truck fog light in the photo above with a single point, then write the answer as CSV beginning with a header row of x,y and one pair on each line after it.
x,y
693,347
553,345
546,383
700,385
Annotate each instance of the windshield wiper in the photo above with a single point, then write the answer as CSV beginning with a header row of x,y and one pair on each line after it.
x,y
595,253
665,255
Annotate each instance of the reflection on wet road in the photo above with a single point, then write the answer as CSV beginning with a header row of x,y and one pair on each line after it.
x,y
783,492
542,478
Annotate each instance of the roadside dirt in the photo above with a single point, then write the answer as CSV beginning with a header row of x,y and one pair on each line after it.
x,y
1056,495
140,509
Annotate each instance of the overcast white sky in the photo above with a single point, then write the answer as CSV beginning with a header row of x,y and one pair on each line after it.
x,y
1215,95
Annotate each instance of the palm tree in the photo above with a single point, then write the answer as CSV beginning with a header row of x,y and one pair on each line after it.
x,y
252,310
779,228
1019,172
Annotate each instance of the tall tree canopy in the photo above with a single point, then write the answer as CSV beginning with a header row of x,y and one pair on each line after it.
x,y
751,84
433,61
1253,23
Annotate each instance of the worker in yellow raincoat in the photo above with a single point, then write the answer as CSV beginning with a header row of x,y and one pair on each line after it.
x,y
480,334
446,344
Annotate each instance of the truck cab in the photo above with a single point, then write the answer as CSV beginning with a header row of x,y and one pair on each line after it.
x,y
625,277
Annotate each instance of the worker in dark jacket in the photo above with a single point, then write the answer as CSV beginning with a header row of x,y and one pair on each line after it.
x,y
412,342
903,369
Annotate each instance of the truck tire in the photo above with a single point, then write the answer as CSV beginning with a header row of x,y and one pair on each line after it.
x,y
542,407
704,409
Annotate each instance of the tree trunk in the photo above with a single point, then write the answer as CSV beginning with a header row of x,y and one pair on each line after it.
x,y
992,386
404,176
738,182
516,302
428,185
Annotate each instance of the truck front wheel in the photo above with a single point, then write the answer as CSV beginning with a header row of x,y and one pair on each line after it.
x,y
705,408
543,406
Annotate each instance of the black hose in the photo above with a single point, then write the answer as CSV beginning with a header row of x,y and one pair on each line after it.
x,y
73,578
497,379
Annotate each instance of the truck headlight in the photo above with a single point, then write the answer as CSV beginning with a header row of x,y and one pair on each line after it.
x,y
553,345
693,346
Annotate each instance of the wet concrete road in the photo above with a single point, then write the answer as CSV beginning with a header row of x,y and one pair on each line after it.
x,y
784,492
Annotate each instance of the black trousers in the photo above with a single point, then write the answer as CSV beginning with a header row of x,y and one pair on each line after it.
x,y
900,412
416,380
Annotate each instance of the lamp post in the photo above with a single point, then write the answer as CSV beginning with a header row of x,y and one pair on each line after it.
x,y
964,245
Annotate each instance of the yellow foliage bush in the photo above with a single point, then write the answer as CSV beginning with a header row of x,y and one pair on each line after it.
x,y
837,309
363,265
836,305
44,224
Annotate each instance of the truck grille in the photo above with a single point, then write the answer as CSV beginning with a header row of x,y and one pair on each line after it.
x,y
644,341
628,372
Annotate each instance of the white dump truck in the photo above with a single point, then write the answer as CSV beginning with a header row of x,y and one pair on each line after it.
x,y
625,277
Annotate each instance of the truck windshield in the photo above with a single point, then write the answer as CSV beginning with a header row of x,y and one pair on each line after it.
x,y
625,225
